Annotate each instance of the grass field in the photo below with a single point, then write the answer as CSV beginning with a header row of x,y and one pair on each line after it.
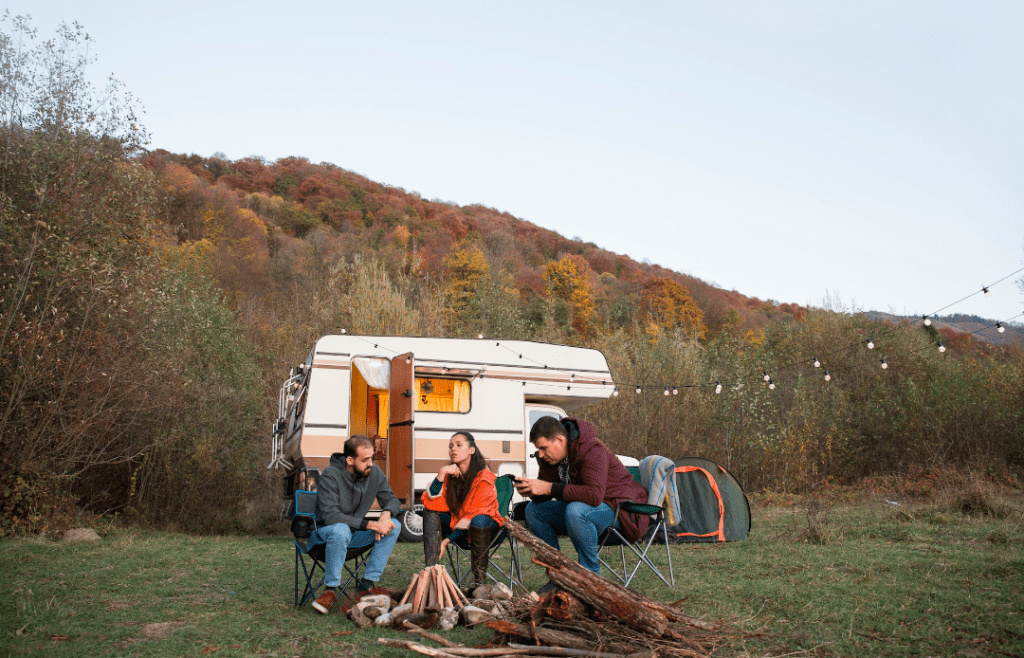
x,y
863,578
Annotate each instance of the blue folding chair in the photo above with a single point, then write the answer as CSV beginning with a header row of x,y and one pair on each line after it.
x,y
311,558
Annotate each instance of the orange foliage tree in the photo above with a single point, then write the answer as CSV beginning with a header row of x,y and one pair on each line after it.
x,y
569,279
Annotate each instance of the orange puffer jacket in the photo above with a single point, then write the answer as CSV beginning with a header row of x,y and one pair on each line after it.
x,y
481,499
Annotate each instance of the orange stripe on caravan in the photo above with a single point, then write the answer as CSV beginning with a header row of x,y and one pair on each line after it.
x,y
321,445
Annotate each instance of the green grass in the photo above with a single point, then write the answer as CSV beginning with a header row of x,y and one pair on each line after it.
x,y
876,580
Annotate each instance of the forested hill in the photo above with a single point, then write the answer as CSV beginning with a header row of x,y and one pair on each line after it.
x,y
293,199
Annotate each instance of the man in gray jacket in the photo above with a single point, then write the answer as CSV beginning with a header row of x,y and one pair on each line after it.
x,y
346,491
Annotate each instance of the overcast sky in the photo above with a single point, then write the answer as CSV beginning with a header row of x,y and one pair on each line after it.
x,y
868,151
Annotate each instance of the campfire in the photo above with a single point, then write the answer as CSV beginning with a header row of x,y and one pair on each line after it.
x,y
589,616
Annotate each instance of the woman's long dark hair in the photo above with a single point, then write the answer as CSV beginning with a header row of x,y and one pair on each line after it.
x,y
457,488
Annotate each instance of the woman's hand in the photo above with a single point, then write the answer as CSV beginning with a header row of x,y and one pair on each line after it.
x,y
444,545
450,469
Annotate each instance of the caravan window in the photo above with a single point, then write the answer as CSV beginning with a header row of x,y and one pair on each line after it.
x,y
445,395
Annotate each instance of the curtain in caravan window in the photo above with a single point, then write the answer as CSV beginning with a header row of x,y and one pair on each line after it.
x,y
445,395
376,372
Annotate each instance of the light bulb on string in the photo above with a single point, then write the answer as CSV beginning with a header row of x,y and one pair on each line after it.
x,y
480,336
638,389
871,344
675,390
767,377
615,391
666,390
343,331
828,377
771,385
987,292
927,321
885,365
999,327
817,364
942,348
718,387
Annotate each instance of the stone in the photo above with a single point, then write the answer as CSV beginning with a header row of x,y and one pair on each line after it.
x,y
358,618
81,534
382,601
383,621
447,619
482,592
473,615
501,592
399,614
372,611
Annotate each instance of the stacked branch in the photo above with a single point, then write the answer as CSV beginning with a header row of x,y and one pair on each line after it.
x,y
433,588
624,605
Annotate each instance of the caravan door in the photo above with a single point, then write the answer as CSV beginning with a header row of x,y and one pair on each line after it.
x,y
400,428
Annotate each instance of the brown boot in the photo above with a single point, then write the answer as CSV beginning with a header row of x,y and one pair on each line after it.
x,y
431,537
479,543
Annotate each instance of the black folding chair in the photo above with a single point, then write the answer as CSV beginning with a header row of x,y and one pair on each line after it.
x,y
641,548
458,550
310,559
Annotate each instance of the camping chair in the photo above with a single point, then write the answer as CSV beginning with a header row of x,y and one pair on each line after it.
x,y
310,558
640,549
458,550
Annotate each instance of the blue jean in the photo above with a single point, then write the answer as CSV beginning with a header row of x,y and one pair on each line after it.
x,y
478,521
583,523
340,536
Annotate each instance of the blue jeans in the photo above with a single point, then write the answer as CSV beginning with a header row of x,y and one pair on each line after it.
x,y
339,537
478,521
583,523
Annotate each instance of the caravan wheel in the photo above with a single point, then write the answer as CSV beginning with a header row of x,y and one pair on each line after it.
x,y
412,526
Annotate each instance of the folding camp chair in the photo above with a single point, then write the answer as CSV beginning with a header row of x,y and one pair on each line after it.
x,y
458,550
640,549
311,558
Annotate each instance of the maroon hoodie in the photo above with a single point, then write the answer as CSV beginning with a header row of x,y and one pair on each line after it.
x,y
596,476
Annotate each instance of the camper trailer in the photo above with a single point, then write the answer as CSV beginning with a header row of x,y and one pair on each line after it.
x,y
409,395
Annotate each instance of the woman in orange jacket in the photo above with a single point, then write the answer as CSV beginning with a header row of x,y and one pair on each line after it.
x,y
461,499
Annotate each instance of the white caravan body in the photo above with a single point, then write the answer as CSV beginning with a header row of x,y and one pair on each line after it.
x,y
411,394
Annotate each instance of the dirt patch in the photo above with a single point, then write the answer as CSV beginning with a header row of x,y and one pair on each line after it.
x,y
160,629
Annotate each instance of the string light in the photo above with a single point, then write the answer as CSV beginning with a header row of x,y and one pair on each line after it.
x,y
817,364
675,390
884,365
615,391
927,321
718,388
771,385
871,344
942,348
480,336
638,389
767,377
1000,328
666,390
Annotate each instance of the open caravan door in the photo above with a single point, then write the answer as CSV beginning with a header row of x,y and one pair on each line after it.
x,y
400,443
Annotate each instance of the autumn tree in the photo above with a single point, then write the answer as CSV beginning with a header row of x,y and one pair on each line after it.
x,y
569,280
669,305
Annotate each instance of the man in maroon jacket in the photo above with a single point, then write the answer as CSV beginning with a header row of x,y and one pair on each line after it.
x,y
580,484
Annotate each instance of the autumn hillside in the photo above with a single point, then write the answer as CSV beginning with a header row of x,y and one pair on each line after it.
x,y
293,199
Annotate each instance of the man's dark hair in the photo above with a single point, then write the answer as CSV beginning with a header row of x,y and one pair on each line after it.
x,y
355,442
549,427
